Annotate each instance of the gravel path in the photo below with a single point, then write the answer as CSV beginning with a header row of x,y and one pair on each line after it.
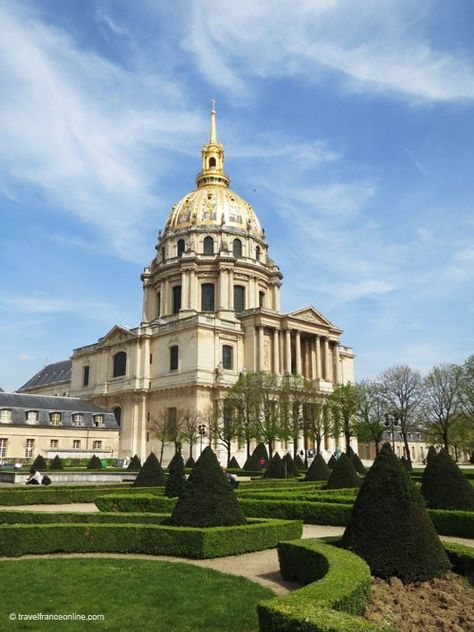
x,y
261,566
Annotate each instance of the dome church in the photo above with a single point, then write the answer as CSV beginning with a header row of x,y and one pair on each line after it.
x,y
211,310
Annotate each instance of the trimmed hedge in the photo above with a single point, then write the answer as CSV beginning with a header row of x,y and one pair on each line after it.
x,y
343,474
444,485
46,517
151,473
252,465
461,557
234,464
56,463
318,470
339,588
63,495
17,540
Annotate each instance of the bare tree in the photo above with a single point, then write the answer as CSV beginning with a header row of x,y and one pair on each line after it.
x,y
269,427
343,404
244,397
158,427
225,425
371,410
467,390
442,400
402,391
188,422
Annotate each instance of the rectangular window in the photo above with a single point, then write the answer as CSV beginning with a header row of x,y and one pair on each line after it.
x,y
85,376
239,298
77,419
158,304
227,357
97,445
99,421
5,414
207,297
174,358
31,416
76,444
55,418
176,299
54,443
30,446
3,447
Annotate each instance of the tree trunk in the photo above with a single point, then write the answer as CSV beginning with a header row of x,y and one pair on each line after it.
x,y
407,448
161,451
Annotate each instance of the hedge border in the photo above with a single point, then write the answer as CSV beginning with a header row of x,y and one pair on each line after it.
x,y
339,588
65,495
22,539
63,517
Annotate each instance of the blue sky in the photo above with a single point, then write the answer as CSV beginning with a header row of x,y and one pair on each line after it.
x,y
347,124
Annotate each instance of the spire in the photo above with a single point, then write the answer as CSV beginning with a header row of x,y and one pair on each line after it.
x,y
212,172
213,134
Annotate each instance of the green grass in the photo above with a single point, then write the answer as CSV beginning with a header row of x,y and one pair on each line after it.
x,y
131,594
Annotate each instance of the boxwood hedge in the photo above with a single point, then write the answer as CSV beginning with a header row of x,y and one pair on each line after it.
x,y
65,494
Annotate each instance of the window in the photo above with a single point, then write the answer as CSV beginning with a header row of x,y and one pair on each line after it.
x,y
237,248
181,247
239,298
208,246
174,354
158,304
97,445
261,299
5,414
120,364
207,297
54,443
85,376
99,421
118,415
31,416
176,299
227,357
3,447
30,446
76,444
257,253
163,253
77,419
55,418
212,163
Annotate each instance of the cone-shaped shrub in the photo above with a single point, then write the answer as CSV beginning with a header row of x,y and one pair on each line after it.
x,y
343,474
135,463
406,463
332,462
275,467
300,466
390,528
56,463
252,464
38,464
94,463
151,473
261,452
356,462
444,485
289,466
234,464
318,470
176,478
432,454
208,500
190,462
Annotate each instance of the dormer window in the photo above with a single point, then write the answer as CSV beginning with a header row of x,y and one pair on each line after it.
x,y
77,419
31,416
55,418
5,414
99,421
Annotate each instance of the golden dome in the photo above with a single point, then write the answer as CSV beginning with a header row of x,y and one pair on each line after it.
x,y
213,203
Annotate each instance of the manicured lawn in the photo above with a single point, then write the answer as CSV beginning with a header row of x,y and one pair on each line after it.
x,y
131,594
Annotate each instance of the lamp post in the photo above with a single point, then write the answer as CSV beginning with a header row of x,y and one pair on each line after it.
x,y
202,433
391,421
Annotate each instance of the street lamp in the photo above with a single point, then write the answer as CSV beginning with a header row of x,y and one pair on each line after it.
x,y
202,433
391,421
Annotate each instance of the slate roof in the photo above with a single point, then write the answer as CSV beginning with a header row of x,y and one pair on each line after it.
x,y
49,375
21,403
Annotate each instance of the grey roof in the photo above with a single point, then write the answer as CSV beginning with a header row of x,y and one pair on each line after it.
x,y
21,403
49,375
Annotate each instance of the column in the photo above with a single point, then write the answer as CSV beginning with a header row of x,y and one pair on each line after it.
x,y
298,353
326,358
313,343
306,363
192,290
276,352
184,290
166,298
261,365
253,302
337,358
230,282
317,344
288,351
223,289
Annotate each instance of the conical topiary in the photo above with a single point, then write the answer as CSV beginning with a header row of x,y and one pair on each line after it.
x,y
56,463
252,464
444,486
332,462
261,453
318,470
151,473
289,466
406,463
208,500
234,464
431,455
190,463
356,462
300,466
94,463
390,528
176,476
135,463
343,475
275,467
38,464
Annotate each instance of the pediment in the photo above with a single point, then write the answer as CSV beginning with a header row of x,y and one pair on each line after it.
x,y
117,335
311,315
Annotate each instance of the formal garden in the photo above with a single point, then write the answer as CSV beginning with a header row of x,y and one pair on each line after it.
x,y
389,549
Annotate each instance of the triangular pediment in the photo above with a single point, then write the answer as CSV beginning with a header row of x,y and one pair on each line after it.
x,y
118,334
312,315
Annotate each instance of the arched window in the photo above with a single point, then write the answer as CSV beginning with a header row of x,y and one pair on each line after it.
x,y
239,298
118,415
163,253
181,247
174,358
237,248
227,357
85,375
257,253
207,297
212,163
158,304
176,299
120,364
208,246
261,299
